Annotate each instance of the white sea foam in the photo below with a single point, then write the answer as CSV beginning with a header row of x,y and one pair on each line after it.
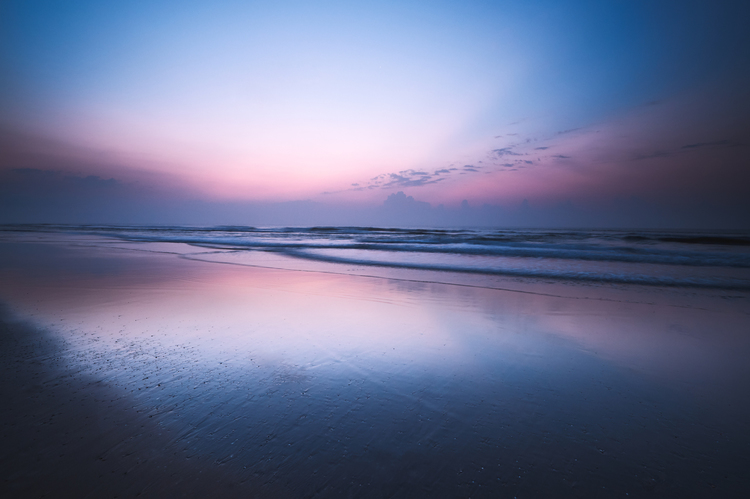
x,y
661,258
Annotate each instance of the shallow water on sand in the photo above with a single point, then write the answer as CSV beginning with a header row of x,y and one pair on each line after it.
x,y
306,379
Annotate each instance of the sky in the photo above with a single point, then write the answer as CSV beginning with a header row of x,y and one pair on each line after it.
x,y
505,113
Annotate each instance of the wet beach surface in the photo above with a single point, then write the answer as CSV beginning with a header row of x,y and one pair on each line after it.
x,y
142,373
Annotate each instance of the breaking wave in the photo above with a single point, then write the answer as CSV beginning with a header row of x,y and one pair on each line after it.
x,y
661,258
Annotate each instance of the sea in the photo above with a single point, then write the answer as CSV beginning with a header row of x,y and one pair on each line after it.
x,y
670,258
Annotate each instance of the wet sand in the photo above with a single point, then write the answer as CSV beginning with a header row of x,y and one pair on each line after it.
x,y
159,373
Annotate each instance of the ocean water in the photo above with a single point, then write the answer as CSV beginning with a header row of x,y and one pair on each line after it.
x,y
698,259
366,362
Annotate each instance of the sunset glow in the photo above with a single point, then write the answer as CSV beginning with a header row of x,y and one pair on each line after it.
x,y
344,105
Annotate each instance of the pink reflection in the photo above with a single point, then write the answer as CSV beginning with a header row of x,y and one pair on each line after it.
x,y
230,307
315,375
235,313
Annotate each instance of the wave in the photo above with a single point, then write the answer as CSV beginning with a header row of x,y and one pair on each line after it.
x,y
661,258
584,276
449,243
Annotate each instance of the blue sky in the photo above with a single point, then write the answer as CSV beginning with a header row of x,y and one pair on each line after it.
x,y
346,103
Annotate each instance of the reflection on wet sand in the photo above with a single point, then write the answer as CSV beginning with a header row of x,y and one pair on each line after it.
x,y
280,383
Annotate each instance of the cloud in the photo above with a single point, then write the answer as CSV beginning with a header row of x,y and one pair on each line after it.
x,y
688,149
399,200
655,154
49,181
42,180
404,178
39,195
407,178
505,151
409,182
36,158
716,143
570,130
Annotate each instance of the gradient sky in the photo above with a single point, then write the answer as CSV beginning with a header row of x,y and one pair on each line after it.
x,y
607,113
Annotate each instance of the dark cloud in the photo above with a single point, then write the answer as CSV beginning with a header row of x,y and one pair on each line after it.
x,y
687,148
38,179
37,159
541,148
404,178
53,196
505,151
49,181
717,143
411,178
397,177
568,131
412,182
560,156
399,200
655,154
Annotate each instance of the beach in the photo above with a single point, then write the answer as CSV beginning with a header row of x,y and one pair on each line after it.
x,y
170,366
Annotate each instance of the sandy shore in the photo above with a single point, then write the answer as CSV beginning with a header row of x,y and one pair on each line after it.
x,y
144,373
68,434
